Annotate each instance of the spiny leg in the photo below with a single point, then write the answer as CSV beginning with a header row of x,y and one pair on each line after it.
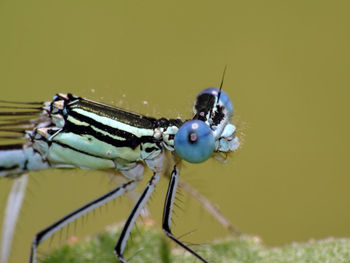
x,y
204,202
167,213
52,229
211,208
120,246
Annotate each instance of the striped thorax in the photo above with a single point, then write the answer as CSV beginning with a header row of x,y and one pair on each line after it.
x,y
91,135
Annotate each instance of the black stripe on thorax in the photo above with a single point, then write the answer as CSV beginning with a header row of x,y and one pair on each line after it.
x,y
136,120
113,131
63,145
131,140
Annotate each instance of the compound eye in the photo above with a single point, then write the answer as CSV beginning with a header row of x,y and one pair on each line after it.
x,y
224,99
194,142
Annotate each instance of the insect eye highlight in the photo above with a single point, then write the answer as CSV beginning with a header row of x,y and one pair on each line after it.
x,y
194,142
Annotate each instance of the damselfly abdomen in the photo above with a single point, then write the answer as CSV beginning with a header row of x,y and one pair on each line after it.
x,y
72,132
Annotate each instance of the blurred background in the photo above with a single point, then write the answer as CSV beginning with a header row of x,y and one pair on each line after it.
x,y
288,77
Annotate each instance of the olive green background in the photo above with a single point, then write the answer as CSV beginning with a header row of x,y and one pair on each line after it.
x,y
288,78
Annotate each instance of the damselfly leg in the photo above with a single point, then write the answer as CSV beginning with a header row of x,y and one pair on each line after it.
x,y
167,213
120,246
64,221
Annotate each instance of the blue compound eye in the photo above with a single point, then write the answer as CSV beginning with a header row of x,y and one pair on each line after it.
x,y
194,141
224,99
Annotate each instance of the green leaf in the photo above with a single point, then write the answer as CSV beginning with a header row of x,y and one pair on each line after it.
x,y
148,245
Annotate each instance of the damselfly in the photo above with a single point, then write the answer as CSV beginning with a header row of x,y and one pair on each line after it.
x,y
72,132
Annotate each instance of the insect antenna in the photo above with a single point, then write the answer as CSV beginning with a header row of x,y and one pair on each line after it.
x,y
222,82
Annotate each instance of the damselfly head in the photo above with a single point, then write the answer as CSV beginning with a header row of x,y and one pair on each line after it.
x,y
210,130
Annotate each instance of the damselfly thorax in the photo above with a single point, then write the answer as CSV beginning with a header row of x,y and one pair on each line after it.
x,y
72,132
